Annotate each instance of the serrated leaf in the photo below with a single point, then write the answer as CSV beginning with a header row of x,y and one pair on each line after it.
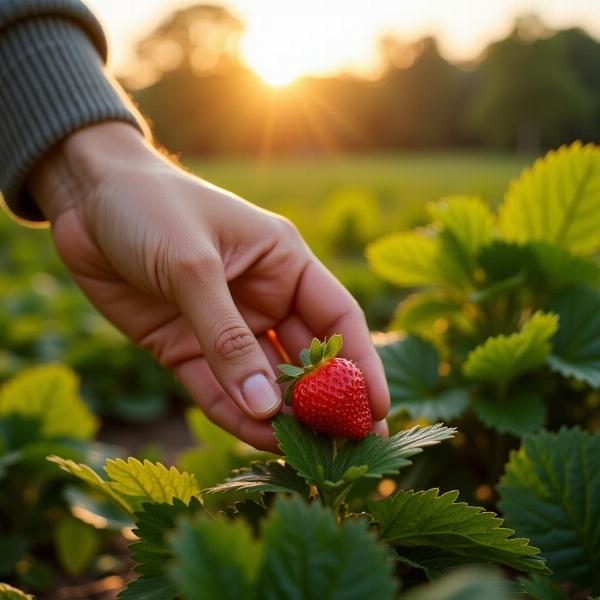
x,y
76,544
150,481
49,393
320,462
520,414
97,511
91,478
541,587
406,259
557,200
131,482
308,556
425,519
468,219
502,260
550,492
215,559
273,476
7,592
464,584
154,522
502,358
577,343
412,372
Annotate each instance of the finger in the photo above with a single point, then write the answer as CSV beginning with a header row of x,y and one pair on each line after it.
x,y
381,428
197,378
327,308
231,349
294,336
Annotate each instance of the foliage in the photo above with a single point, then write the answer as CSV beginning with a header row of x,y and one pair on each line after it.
x,y
41,413
550,493
310,543
502,301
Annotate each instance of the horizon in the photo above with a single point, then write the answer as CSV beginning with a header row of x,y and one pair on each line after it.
x,y
283,42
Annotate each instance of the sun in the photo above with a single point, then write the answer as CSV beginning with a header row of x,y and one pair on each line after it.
x,y
277,62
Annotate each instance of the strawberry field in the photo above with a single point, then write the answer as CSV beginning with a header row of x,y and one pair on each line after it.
x,y
480,278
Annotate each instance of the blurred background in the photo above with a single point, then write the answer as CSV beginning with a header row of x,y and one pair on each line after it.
x,y
346,117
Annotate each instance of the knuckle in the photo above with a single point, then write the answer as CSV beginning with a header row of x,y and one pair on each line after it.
x,y
289,229
196,266
234,342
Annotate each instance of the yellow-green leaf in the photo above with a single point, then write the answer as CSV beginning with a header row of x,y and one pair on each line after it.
x,y
557,200
152,481
49,393
76,544
406,259
468,219
502,358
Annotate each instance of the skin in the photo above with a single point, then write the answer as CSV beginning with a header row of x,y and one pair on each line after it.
x,y
195,274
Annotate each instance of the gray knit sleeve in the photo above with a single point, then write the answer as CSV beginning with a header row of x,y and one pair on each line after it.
x,y
51,84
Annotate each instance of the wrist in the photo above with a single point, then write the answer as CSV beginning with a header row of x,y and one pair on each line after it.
x,y
80,163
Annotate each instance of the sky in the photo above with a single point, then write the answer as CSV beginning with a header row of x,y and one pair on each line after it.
x,y
285,39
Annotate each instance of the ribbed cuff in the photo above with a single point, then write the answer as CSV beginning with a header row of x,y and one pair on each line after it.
x,y
51,84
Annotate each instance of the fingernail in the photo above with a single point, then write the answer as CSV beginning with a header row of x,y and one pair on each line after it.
x,y
260,394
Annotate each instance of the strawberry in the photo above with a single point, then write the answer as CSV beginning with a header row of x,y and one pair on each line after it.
x,y
327,393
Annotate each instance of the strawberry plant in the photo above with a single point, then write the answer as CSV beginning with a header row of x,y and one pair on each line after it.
x,y
501,334
41,413
295,529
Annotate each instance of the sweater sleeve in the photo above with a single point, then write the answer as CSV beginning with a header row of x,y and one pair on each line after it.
x,y
52,83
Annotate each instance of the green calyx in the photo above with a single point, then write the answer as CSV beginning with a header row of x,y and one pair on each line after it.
x,y
311,358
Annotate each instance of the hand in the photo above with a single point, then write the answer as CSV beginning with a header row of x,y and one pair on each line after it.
x,y
196,275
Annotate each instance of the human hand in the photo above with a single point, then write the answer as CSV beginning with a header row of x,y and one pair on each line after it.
x,y
196,275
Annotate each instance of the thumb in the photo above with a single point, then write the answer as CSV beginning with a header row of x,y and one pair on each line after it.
x,y
231,349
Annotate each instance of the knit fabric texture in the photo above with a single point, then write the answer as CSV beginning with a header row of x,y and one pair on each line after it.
x,y
52,83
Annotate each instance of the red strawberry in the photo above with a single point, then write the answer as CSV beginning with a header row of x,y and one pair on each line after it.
x,y
328,394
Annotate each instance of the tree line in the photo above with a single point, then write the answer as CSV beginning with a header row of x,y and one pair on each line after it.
x,y
534,89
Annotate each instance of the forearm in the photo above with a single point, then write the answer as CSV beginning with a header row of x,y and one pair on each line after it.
x,y
51,85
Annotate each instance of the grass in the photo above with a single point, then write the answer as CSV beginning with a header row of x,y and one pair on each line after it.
x,y
338,203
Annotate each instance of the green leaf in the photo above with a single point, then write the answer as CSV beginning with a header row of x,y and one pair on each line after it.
x,y
7,592
468,219
305,357
131,482
465,584
419,313
554,267
412,520
49,393
412,371
540,587
577,343
76,544
502,358
206,432
152,553
215,559
550,493
273,476
502,260
520,414
316,351
290,370
333,346
321,463
557,200
308,556
406,259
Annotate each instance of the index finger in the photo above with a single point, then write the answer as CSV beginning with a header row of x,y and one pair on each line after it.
x,y
326,308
